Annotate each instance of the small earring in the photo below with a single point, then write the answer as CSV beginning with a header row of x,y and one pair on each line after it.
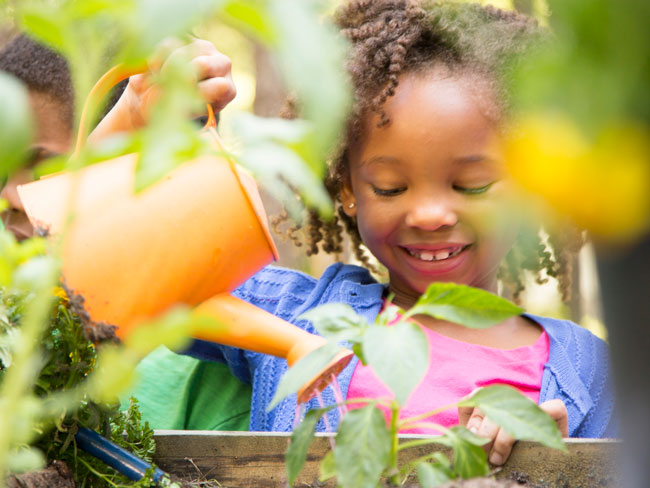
x,y
351,205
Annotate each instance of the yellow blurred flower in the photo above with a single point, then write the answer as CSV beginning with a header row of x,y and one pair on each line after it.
x,y
60,292
602,185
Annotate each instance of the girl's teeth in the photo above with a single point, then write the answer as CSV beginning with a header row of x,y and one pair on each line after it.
x,y
434,256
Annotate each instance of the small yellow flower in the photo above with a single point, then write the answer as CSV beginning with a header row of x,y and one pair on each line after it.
x,y
602,185
60,292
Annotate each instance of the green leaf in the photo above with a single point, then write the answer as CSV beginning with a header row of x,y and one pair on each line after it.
x,y
357,349
327,468
465,305
36,274
8,340
172,330
25,428
25,459
164,150
300,440
320,82
89,8
114,374
30,248
45,25
469,436
470,460
399,355
155,20
16,124
337,322
517,414
110,147
254,129
253,17
388,315
323,94
362,450
271,152
431,476
303,371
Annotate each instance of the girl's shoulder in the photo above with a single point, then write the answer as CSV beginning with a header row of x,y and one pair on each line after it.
x,y
281,290
272,279
567,333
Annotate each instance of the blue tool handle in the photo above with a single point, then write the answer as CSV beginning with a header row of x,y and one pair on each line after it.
x,y
113,455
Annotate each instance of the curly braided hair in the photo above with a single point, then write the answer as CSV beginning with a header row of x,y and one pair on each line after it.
x,y
392,37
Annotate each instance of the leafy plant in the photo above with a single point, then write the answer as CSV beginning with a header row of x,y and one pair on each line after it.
x,y
67,359
51,377
366,447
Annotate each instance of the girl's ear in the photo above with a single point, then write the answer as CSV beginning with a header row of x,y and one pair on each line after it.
x,y
347,198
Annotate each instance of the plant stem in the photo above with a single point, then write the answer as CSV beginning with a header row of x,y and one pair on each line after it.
x,y
406,469
428,425
394,429
407,422
384,401
418,442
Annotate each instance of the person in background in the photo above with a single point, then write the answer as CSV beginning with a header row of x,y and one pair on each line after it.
x,y
47,78
206,396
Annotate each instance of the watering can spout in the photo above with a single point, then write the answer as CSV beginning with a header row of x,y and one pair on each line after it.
x,y
190,239
249,327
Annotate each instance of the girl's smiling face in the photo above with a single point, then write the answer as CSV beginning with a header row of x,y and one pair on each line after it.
x,y
430,193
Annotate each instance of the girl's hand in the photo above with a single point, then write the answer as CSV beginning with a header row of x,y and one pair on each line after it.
x,y
213,76
500,445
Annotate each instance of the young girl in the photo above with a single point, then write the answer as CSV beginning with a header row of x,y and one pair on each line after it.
x,y
420,182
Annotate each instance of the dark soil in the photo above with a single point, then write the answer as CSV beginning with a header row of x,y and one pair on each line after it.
x,y
56,475
482,483
96,332
514,482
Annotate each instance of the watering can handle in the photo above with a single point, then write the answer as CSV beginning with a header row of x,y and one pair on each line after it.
x,y
104,85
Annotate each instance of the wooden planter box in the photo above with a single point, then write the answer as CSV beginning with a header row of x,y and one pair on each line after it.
x,y
256,459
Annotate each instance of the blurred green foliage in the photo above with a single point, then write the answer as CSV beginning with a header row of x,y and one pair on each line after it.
x,y
583,134
596,67
16,123
67,357
50,373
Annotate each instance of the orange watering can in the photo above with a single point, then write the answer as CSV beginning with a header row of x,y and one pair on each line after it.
x,y
190,239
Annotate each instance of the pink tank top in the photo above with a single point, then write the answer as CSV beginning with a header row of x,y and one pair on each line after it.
x,y
456,368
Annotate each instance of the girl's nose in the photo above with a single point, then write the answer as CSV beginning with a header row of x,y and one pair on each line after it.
x,y
431,214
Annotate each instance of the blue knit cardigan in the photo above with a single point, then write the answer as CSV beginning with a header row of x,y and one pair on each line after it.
x,y
577,371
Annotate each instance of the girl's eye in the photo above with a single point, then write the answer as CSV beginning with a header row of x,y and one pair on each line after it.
x,y
390,192
473,191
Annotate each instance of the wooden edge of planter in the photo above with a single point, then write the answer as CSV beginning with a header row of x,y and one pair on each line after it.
x,y
237,459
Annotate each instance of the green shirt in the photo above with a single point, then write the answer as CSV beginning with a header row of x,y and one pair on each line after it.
x,y
182,393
